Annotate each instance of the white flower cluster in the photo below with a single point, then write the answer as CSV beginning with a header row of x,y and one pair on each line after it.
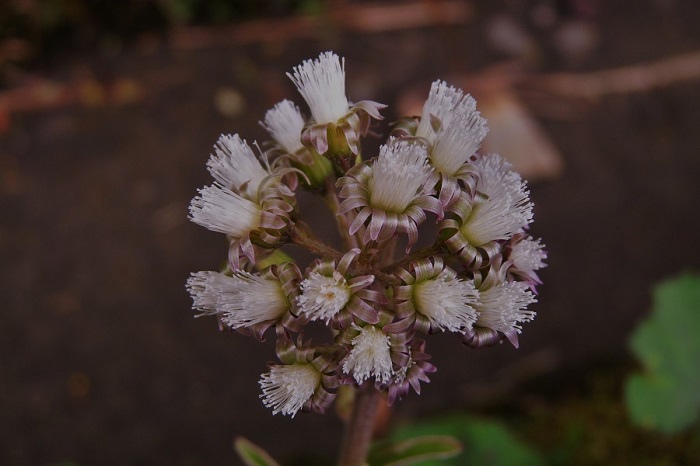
x,y
475,280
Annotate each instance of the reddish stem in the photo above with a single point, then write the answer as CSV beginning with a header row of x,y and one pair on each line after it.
x,y
358,435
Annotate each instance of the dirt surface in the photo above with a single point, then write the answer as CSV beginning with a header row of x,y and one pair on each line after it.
x,y
101,361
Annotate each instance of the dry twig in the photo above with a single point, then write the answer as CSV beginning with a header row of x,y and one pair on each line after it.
x,y
636,78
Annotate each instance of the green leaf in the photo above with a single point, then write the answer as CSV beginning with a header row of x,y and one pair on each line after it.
x,y
483,441
251,454
666,396
414,450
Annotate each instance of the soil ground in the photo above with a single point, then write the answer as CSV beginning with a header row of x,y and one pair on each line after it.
x,y
101,361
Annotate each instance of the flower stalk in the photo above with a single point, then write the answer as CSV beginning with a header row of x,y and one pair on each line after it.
x,y
343,221
301,235
360,429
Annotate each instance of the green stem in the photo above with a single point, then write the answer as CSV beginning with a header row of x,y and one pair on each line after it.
x,y
358,435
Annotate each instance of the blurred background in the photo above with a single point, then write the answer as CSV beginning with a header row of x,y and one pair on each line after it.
x,y
108,113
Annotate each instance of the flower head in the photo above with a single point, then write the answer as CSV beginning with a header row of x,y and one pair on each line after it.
x,y
234,165
370,356
337,125
452,130
399,176
506,208
305,381
220,209
454,144
458,140
525,256
247,202
436,298
287,388
502,209
285,123
503,307
244,300
391,193
322,84
323,297
414,371
438,109
330,293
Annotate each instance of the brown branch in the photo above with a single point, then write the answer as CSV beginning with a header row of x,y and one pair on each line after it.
x,y
364,18
636,78
414,256
342,220
301,235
